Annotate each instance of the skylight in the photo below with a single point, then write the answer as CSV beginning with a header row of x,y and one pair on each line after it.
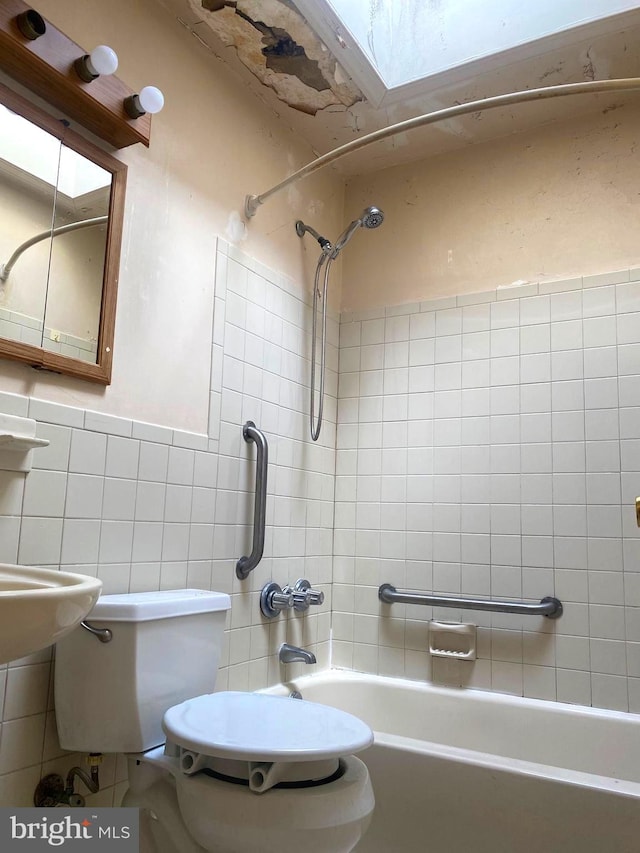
x,y
30,149
406,41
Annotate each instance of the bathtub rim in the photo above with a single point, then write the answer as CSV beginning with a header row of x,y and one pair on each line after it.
x,y
328,676
516,766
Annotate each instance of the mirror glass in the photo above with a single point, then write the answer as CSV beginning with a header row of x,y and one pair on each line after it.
x,y
29,159
54,213
80,220
61,217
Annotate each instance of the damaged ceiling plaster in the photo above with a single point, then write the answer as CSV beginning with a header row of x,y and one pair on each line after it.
x,y
276,44
331,117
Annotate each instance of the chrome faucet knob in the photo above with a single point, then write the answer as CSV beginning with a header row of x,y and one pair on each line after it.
x,y
301,598
273,599
312,596
317,596
282,599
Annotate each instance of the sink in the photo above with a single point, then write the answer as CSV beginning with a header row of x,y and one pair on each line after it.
x,y
39,606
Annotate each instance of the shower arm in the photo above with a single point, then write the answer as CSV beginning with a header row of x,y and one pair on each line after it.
x,y
253,202
302,229
5,269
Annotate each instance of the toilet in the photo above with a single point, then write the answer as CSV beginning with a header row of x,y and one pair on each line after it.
x,y
230,772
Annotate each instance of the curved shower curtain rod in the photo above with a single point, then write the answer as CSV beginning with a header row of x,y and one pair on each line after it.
x,y
253,202
5,269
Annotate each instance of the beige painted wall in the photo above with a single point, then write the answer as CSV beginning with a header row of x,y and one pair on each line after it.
x,y
559,202
212,144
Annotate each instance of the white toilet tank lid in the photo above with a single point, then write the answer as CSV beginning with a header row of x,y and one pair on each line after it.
x,y
164,604
259,727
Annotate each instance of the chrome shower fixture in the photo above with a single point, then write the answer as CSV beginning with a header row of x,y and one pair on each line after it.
x,y
301,230
371,217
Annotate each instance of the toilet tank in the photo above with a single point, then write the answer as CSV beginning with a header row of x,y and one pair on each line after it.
x,y
165,648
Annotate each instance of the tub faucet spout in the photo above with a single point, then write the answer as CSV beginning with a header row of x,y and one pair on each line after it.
x,y
290,654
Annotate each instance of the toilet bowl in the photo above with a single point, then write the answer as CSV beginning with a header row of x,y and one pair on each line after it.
x,y
230,772
181,814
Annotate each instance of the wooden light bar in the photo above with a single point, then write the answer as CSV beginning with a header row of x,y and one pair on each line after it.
x,y
45,66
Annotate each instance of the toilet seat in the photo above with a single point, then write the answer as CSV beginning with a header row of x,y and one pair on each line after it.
x,y
260,727
262,740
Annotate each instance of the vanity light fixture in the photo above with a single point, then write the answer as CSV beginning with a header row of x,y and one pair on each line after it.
x,y
148,100
31,24
102,61
56,69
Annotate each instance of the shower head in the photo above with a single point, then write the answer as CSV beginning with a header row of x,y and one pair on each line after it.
x,y
371,217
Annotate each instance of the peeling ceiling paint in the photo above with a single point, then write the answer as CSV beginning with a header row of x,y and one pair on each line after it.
x,y
276,44
331,117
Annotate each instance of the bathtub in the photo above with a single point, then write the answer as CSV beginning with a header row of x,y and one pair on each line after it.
x,y
467,770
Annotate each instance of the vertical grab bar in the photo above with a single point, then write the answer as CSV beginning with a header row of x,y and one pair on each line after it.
x,y
246,565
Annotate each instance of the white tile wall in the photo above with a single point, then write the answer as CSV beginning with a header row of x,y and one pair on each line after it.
x,y
260,372
490,446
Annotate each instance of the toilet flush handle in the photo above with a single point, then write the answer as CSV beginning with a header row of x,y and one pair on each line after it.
x,y
102,634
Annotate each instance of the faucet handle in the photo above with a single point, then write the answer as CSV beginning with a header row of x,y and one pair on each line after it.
x,y
273,599
301,597
311,596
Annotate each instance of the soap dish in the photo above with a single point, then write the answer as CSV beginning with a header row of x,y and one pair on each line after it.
x,y
17,441
21,443
452,640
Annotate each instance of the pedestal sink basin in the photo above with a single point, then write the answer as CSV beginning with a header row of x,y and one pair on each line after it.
x,y
39,606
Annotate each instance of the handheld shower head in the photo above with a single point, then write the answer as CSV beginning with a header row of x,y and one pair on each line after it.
x,y
371,217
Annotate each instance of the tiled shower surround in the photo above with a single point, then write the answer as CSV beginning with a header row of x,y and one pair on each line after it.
x,y
489,445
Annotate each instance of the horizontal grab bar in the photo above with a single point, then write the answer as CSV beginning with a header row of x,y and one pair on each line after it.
x,y
549,606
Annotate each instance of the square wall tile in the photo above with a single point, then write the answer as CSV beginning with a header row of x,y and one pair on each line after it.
x,y
88,452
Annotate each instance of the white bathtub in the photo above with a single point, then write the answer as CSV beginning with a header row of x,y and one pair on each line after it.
x,y
466,770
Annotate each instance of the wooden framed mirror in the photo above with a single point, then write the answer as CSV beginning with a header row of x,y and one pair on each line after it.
x,y
61,215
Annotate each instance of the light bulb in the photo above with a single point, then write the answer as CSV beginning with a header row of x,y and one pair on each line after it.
x,y
149,100
102,60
